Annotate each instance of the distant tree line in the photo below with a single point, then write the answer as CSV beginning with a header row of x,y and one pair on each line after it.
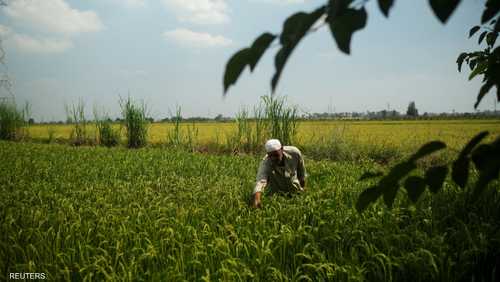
x,y
368,115
395,115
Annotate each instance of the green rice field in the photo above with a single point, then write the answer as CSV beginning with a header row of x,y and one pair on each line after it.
x,y
162,213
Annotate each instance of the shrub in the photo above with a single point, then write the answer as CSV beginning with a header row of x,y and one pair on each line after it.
x,y
13,121
175,135
76,116
136,123
106,134
281,118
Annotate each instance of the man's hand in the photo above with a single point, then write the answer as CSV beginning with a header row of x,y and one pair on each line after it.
x,y
256,200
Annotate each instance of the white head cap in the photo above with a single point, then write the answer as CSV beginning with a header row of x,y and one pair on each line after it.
x,y
272,145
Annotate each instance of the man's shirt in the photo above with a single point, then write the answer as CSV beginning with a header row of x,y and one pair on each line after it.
x,y
282,178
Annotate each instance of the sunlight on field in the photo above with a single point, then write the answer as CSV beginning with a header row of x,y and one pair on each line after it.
x,y
401,134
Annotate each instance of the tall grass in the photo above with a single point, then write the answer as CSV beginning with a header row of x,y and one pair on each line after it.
x,y
281,118
273,118
242,139
106,134
259,134
192,136
51,131
135,121
76,115
13,121
175,135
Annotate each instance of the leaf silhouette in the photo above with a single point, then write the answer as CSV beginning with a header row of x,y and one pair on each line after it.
x,y
344,24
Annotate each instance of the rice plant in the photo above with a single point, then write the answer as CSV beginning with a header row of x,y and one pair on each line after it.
x,y
135,122
84,214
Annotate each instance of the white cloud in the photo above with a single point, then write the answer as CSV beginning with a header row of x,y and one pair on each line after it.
x,y
199,11
194,39
27,44
53,16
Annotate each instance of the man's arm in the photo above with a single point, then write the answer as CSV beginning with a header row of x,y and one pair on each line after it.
x,y
261,183
257,193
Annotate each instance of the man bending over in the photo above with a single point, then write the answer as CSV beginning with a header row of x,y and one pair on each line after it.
x,y
282,169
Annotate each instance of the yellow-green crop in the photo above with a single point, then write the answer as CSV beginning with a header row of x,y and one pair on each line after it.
x,y
93,213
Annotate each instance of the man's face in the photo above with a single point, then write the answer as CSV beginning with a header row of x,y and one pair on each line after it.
x,y
276,156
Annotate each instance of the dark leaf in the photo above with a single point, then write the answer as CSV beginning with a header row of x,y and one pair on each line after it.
x,y
491,38
443,8
435,177
472,144
398,172
460,171
472,64
481,37
235,66
390,193
493,71
415,186
482,155
338,7
460,60
489,157
367,197
473,30
460,167
479,69
343,25
492,8
279,62
294,28
385,6
258,48
390,183
483,91
497,26
427,149
481,184
370,174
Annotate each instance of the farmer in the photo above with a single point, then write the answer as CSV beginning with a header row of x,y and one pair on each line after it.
x,y
282,169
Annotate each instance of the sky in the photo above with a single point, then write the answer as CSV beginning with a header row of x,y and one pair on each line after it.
x,y
171,53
